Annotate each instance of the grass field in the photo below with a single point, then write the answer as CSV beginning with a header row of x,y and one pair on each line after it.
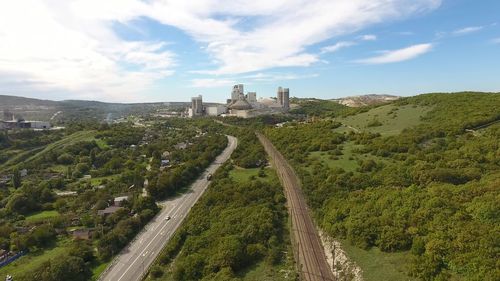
x,y
345,161
40,216
393,119
98,269
377,265
19,157
59,168
99,180
101,144
33,260
348,160
242,175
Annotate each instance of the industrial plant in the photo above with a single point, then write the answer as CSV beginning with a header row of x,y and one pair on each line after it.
x,y
242,105
10,122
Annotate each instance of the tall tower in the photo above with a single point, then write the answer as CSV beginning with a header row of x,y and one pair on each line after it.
x,y
283,98
197,105
235,93
286,99
279,96
252,97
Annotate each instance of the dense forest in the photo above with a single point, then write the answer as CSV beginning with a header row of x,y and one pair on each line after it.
x,y
239,223
433,189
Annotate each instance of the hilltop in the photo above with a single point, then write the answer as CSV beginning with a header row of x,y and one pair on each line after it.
x,y
70,110
366,100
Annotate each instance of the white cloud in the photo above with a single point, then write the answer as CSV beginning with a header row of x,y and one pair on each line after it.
x,y
467,30
398,55
247,79
368,37
283,31
58,49
71,44
271,77
496,40
336,47
211,83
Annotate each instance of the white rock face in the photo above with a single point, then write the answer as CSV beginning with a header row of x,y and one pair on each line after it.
x,y
344,268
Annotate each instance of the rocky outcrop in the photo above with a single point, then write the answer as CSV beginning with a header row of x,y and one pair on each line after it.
x,y
343,267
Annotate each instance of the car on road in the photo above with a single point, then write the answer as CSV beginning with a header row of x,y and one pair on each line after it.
x,y
167,218
209,177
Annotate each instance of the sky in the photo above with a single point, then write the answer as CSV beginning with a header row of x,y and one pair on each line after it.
x,y
170,50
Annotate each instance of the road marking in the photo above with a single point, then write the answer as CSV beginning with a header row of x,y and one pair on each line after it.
x,y
183,204
153,239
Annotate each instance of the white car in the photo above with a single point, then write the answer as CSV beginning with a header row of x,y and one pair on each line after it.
x,y
167,218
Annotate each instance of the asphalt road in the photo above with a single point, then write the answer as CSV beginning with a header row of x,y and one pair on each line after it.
x,y
308,251
132,263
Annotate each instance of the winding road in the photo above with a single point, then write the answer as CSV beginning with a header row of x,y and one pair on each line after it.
x,y
133,262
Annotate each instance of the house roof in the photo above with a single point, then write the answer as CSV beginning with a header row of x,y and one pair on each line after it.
x,y
121,198
109,210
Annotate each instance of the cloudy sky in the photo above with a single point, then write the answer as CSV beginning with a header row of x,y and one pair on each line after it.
x,y
169,50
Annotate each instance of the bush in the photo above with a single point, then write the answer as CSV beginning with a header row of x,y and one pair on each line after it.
x,y
65,159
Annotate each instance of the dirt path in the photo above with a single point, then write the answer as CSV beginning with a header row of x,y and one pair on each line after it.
x,y
308,251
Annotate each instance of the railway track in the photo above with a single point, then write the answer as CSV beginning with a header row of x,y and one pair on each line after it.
x,y
308,251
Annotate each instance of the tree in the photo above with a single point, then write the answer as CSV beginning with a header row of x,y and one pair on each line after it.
x,y
62,268
20,203
65,159
16,178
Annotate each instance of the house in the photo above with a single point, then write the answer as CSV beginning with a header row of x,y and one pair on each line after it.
x,y
66,193
3,254
109,210
52,175
4,179
23,172
82,234
119,200
181,145
165,155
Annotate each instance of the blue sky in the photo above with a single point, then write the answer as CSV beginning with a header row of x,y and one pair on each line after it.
x,y
132,50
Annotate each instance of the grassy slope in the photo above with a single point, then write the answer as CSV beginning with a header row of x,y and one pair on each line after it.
x,y
38,152
242,175
348,160
98,269
40,216
392,123
378,265
343,160
34,260
73,138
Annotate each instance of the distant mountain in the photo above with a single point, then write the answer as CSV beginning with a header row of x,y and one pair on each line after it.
x,y
364,100
63,111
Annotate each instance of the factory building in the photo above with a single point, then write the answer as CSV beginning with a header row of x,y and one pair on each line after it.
x,y
283,98
235,93
196,106
242,105
21,124
216,110
252,97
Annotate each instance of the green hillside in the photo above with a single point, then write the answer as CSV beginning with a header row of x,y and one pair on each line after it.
x,y
415,193
388,119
